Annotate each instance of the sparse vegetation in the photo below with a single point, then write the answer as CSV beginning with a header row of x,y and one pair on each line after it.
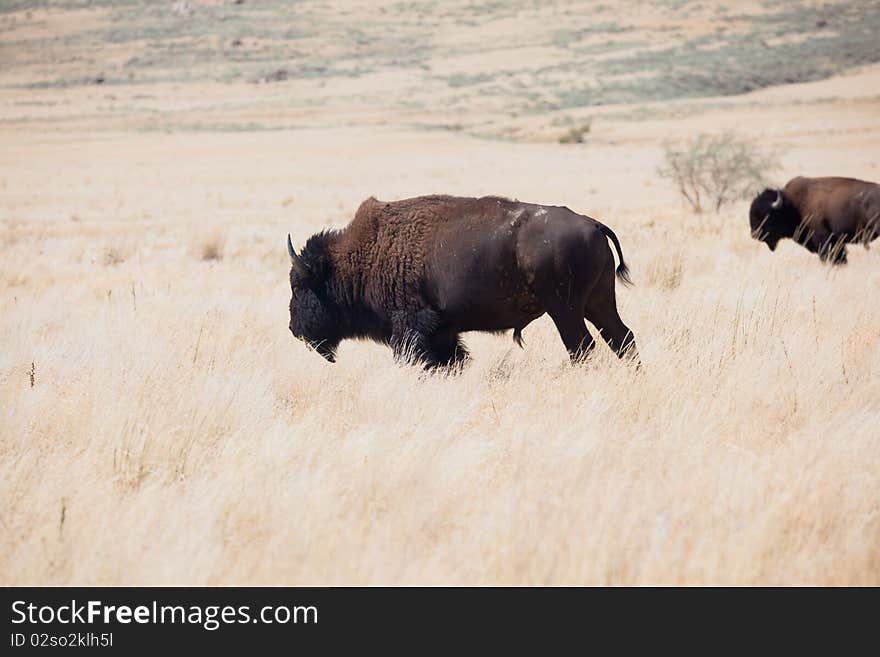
x,y
607,61
212,246
716,169
576,134
462,80
113,256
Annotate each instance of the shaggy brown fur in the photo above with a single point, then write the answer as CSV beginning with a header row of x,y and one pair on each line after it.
x,y
822,214
416,273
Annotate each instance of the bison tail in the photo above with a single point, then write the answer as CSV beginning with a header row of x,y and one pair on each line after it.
x,y
622,270
623,275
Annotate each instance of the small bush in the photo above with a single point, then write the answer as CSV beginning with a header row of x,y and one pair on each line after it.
x,y
464,80
576,134
212,246
716,169
113,256
12,233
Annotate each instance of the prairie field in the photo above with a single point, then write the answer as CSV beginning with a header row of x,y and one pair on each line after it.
x,y
159,424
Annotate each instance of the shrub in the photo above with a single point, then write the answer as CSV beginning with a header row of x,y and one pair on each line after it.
x,y
576,135
716,169
210,246
113,256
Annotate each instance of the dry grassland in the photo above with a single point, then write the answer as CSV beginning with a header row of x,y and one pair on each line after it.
x,y
159,425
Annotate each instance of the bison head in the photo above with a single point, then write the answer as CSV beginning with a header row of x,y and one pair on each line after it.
x,y
772,218
312,312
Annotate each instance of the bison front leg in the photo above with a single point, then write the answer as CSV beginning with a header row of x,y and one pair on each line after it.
x,y
829,246
833,250
410,337
448,349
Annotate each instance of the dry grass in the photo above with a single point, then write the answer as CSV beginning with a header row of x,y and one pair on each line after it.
x,y
184,437
666,269
211,246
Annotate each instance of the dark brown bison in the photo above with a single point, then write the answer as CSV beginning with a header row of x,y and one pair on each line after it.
x,y
416,273
822,214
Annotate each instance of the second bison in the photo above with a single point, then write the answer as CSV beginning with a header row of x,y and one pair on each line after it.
x,y
416,273
822,214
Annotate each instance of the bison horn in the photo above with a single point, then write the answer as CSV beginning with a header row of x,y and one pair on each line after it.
x,y
298,265
778,202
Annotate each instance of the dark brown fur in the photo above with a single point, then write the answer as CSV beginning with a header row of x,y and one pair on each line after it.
x,y
822,214
418,272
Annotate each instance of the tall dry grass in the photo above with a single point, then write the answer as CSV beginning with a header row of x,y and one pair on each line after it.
x,y
172,431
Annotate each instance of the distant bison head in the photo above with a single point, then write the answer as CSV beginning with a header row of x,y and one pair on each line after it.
x,y
772,218
313,318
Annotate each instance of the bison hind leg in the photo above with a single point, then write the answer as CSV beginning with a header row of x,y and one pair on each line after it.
x,y
601,312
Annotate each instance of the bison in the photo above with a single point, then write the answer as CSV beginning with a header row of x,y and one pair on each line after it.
x,y
822,214
416,273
